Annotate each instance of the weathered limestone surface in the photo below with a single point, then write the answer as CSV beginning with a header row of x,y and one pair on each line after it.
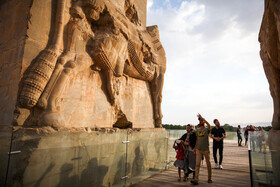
x,y
13,28
85,63
84,158
269,38
85,105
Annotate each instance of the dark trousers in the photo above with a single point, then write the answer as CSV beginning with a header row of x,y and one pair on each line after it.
x,y
239,140
219,146
246,139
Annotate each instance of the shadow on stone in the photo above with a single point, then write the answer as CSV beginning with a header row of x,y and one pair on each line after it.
x,y
19,163
138,162
94,174
121,170
51,166
65,176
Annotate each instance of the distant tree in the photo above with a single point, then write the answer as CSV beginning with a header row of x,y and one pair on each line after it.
x,y
226,126
267,128
229,128
171,126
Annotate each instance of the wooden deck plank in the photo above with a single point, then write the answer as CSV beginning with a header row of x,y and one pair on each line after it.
x,y
236,171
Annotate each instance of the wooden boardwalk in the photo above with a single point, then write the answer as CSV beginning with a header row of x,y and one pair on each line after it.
x,y
235,173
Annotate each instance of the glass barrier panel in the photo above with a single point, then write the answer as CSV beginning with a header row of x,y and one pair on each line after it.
x,y
5,141
47,158
173,135
262,168
148,153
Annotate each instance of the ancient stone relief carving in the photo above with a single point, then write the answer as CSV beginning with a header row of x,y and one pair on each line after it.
x,y
42,69
104,38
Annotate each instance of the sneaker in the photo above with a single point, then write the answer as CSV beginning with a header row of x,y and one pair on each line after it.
x,y
189,171
216,166
210,181
221,167
194,182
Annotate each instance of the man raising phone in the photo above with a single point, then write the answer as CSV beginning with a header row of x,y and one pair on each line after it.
x,y
202,148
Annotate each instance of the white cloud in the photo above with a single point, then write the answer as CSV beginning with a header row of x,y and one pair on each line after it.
x,y
183,19
213,63
220,14
149,4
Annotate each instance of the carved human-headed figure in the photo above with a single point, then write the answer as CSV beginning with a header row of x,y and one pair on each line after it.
x,y
74,59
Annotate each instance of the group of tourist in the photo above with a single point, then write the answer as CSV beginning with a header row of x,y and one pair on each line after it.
x,y
193,146
257,136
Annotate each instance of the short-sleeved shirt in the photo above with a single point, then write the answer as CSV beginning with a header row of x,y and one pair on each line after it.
x,y
217,132
238,132
202,139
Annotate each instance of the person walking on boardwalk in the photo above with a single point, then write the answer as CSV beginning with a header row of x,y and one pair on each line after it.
x,y
202,148
238,132
246,134
252,136
189,139
260,137
218,134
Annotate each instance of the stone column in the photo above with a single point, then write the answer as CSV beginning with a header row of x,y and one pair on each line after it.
x,y
14,21
270,54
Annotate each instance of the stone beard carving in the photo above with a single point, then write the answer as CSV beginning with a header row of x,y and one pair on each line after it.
x,y
42,70
104,38
269,41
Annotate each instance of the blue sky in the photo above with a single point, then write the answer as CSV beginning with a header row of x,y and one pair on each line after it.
x,y
213,63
